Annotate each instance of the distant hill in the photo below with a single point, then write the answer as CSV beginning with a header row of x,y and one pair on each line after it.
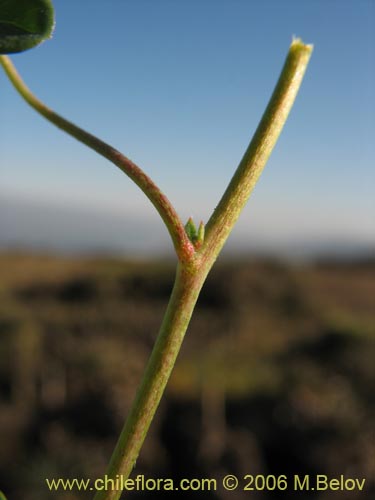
x,y
54,227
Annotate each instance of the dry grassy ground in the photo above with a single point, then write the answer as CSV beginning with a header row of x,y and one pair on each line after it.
x,y
276,375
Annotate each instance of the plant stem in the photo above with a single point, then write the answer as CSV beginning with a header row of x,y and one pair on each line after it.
x,y
181,242
194,264
255,158
191,276
185,292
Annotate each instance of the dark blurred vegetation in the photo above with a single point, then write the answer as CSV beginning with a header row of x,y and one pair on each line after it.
x,y
276,375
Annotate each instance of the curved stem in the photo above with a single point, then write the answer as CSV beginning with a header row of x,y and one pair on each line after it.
x,y
194,265
190,278
251,166
182,244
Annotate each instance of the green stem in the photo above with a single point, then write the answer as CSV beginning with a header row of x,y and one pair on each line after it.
x,y
194,265
188,283
191,276
182,244
255,158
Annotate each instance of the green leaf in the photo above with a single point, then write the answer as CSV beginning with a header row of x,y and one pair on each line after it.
x,y
24,24
200,234
191,230
2,496
194,235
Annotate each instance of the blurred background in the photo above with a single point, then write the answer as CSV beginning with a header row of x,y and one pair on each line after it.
x,y
276,374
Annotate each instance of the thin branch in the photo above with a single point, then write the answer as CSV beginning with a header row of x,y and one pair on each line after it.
x,y
183,246
251,166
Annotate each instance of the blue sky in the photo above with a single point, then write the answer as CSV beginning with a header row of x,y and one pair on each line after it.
x,y
179,87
